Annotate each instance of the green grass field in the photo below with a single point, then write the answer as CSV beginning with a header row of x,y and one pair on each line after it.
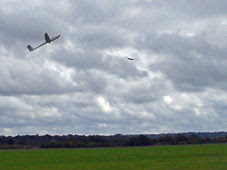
x,y
205,157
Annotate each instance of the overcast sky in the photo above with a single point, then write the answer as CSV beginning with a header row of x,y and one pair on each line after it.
x,y
83,83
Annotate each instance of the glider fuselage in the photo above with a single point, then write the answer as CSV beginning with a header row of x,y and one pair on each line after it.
x,y
47,40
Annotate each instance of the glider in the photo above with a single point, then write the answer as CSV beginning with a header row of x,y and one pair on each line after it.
x,y
47,39
130,58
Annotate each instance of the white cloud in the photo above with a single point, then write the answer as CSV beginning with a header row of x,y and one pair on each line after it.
x,y
105,106
168,100
197,111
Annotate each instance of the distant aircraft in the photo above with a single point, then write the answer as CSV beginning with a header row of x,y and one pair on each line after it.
x,y
130,58
48,40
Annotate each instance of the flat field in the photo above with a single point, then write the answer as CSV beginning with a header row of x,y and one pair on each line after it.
x,y
213,157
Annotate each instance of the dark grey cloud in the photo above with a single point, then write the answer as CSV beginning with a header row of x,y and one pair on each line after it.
x,y
194,8
83,83
191,63
102,38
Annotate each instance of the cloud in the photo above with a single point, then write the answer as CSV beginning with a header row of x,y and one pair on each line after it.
x,y
32,77
190,60
83,83
105,106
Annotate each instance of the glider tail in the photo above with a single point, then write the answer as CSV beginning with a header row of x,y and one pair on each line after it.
x,y
30,48
47,38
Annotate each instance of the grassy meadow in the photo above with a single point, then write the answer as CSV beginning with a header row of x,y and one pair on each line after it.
x,y
157,157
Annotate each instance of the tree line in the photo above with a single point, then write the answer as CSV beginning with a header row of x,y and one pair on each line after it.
x,y
118,140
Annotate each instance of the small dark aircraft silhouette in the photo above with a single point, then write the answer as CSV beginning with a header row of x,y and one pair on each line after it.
x,y
47,39
130,58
